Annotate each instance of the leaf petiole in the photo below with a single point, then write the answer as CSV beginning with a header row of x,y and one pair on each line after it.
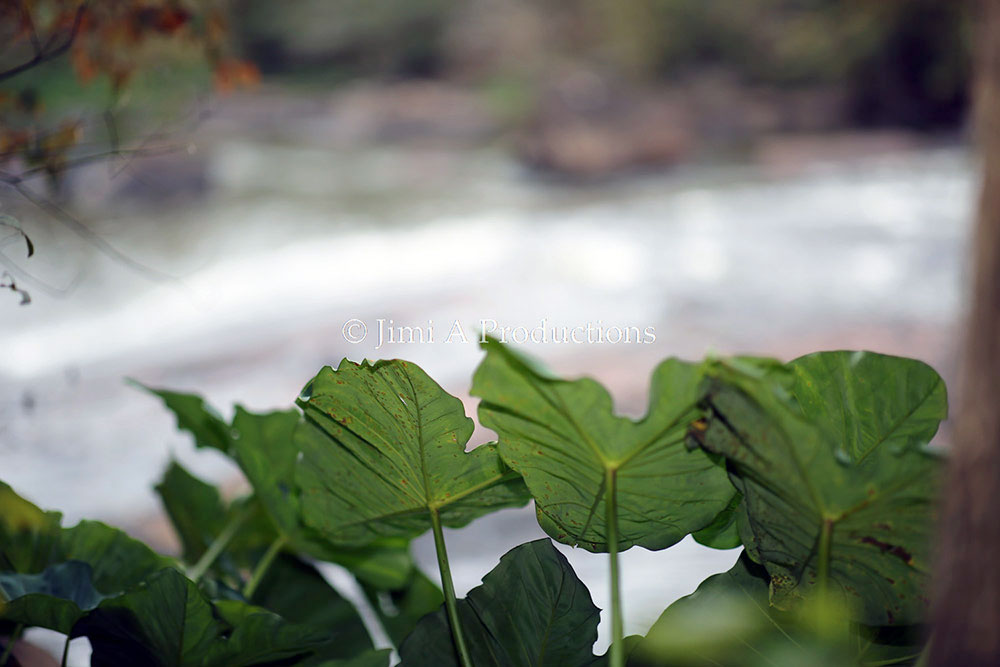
x,y
218,545
263,565
448,587
823,557
617,658
14,637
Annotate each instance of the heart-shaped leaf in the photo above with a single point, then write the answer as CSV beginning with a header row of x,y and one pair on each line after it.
x,y
574,453
837,491
387,450
531,609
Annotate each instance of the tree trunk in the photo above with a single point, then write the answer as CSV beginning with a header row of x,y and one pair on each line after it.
x,y
966,614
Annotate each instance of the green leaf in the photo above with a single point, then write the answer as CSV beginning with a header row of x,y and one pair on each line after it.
x,y
870,403
195,509
400,609
723,532
827,497
388,449
727,621
168,622
297,592
196,417
563,437
531,609
55,599
730,621
28,535
265,448
31,540
118,561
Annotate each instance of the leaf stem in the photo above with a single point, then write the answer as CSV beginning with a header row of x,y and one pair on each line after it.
x,y
65,655
616,652
448,587
263,565
218,545
823,557
14,637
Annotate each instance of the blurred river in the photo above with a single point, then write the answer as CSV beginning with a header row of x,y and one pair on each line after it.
x,y
290,243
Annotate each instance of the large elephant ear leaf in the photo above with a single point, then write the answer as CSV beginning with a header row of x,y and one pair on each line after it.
x,y
531,609
167,622
55,598
575,454
815,516
387,450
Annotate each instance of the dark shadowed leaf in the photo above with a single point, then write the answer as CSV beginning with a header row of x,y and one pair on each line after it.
x,y
387,448
400,609
859,483
531,609
54,599
168,622
297,592
368,659
564,438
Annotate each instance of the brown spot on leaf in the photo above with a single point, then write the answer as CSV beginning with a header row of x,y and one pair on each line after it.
x,y
885,547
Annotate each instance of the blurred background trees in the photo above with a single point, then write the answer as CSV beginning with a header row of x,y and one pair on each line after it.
x,y
897,62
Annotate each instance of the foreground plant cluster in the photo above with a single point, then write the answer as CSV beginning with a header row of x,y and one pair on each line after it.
x,y
818,468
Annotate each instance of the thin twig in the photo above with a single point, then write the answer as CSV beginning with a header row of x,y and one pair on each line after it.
x,y
46,53
88,235
16,179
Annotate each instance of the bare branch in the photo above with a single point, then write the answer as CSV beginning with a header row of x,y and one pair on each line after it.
x,y
47,51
